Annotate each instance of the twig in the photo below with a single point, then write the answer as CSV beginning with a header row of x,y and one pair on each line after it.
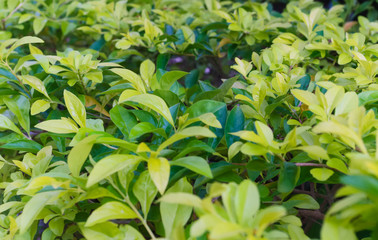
x,y
314,165
128,201
99,116
11,14
81,80
316,214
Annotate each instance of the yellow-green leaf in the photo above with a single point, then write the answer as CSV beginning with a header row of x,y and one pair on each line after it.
x,y
315,152
39,106
6,123
38,24
58,126
155,103
268,216
194,163
23,167
247,202
347,104
109,165
35,83
75,107
79,154
175,215
103,231
23,41
305,97
182,198
264,132
33,207
108,211
159,169
147,69
187,132
253,149
344,58
342,130
210,119
321,174
132,77
20,106
145,191
128,93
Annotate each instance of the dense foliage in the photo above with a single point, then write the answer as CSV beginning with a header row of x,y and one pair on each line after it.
x,y
198,119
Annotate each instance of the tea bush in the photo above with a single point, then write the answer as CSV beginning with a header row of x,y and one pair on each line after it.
x,y
199,119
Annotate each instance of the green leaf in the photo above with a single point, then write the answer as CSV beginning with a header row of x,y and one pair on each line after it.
x,y
187,132
344,58
57,225
35,83
367,184
296,233
288,177
210,119
38,24
338,164
145,127
268,216
6,123
314,152
123,119
33,207
58,126
23,41
303,201
332,229
159,169
204,106
342,130
347,104
265,133
194,163
75,107
132,233
169,78
117,142
79,154
131,77
321,174
23,145
20,106
108,211
368,97
155,103
145,191
235,123
109,165
95,76
247,202
174,215
224,88
104,230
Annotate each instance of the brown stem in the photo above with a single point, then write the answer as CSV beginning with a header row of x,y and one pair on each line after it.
x,y
316,214
314,165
